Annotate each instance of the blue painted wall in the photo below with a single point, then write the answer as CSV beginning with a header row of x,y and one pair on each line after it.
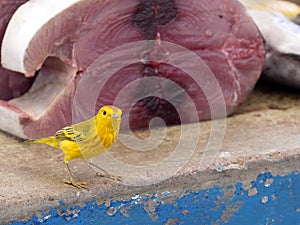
x,y
269,200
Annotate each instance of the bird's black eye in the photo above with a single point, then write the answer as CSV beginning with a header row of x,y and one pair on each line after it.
x,y
104,113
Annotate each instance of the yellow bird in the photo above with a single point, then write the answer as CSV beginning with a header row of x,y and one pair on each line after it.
x,y
86,139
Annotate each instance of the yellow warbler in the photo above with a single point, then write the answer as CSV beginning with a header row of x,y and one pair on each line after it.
x,y
86,139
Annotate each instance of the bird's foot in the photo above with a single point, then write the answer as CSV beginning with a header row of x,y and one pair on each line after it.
x,y
109,176
79,185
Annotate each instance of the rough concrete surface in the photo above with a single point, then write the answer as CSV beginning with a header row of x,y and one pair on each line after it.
x,y
262,136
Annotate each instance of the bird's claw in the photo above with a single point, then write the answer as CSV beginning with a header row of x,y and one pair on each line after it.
x,y
110,176
79,185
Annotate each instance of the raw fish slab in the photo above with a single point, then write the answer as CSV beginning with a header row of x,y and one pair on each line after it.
x,y
219,33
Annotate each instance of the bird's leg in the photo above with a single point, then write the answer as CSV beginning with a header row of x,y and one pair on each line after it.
x,y
72,182
105,173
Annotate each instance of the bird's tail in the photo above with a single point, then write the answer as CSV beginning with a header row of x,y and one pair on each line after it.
x,y
52,141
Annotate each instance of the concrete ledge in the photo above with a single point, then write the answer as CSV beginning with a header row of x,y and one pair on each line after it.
x,y
262,138
267,200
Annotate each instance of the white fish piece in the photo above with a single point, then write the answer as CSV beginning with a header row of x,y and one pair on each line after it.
x,y
282,68
282,58
287,8
278,31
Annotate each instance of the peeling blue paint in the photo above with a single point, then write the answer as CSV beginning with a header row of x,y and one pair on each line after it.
x,y
275,200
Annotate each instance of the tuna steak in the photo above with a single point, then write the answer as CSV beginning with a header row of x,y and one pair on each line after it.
x,y
73,48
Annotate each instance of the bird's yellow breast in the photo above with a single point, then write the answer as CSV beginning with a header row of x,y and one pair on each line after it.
x,y
108,139
70,149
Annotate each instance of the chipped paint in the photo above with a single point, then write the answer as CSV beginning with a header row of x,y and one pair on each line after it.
x,y
267,200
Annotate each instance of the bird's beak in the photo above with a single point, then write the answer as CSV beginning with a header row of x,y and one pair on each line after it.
x,y
115,116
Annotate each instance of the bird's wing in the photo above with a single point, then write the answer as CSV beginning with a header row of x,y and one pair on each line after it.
x,y
70,134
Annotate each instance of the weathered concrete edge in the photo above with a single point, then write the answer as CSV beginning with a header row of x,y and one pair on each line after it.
x,y
270,200
281,164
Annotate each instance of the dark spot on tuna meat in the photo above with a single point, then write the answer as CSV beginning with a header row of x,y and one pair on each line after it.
x,y
159,93
152,14
148,71
156,107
